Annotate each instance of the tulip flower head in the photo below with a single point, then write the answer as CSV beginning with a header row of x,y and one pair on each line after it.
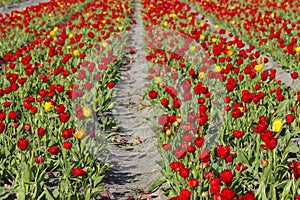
x,y
277,125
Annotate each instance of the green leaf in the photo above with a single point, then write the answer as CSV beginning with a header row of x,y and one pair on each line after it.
x,y
261,192
156,183
49,195
290,149
241,157
286,190
55,193
3,193
20,195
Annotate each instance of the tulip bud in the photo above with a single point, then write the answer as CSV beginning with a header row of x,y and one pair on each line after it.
x,y
169,132
265,163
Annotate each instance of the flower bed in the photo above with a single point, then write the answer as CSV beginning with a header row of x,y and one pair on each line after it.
x,y
20,30
227,128
273,27
56,101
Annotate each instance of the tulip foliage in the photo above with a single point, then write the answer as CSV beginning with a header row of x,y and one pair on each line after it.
x,y
59,65
226,127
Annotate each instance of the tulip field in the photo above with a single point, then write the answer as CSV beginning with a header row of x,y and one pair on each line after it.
x,y
226,127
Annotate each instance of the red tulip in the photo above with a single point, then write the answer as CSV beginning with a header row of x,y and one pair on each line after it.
x,y
54,150
39,159
188,137
226,177
290,118
41,132
13,115
238,133
27,127
164,102
294,75
192,183
111,85
227,194
153,94
199,142
2,127
64,117
223,151
176,166
184,172
78,172
180,153
248,196
166,146
22,144
67,144
204,155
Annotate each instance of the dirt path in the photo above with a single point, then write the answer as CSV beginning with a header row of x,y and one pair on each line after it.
x,y
133,167
19,6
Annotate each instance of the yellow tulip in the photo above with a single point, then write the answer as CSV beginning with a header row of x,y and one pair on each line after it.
x,y
229,53
52,33
192,48
298,49
258,68
242,109
218,68
201,75
76,52
87,112
277,125
48,106
157,80
105,44
79,134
